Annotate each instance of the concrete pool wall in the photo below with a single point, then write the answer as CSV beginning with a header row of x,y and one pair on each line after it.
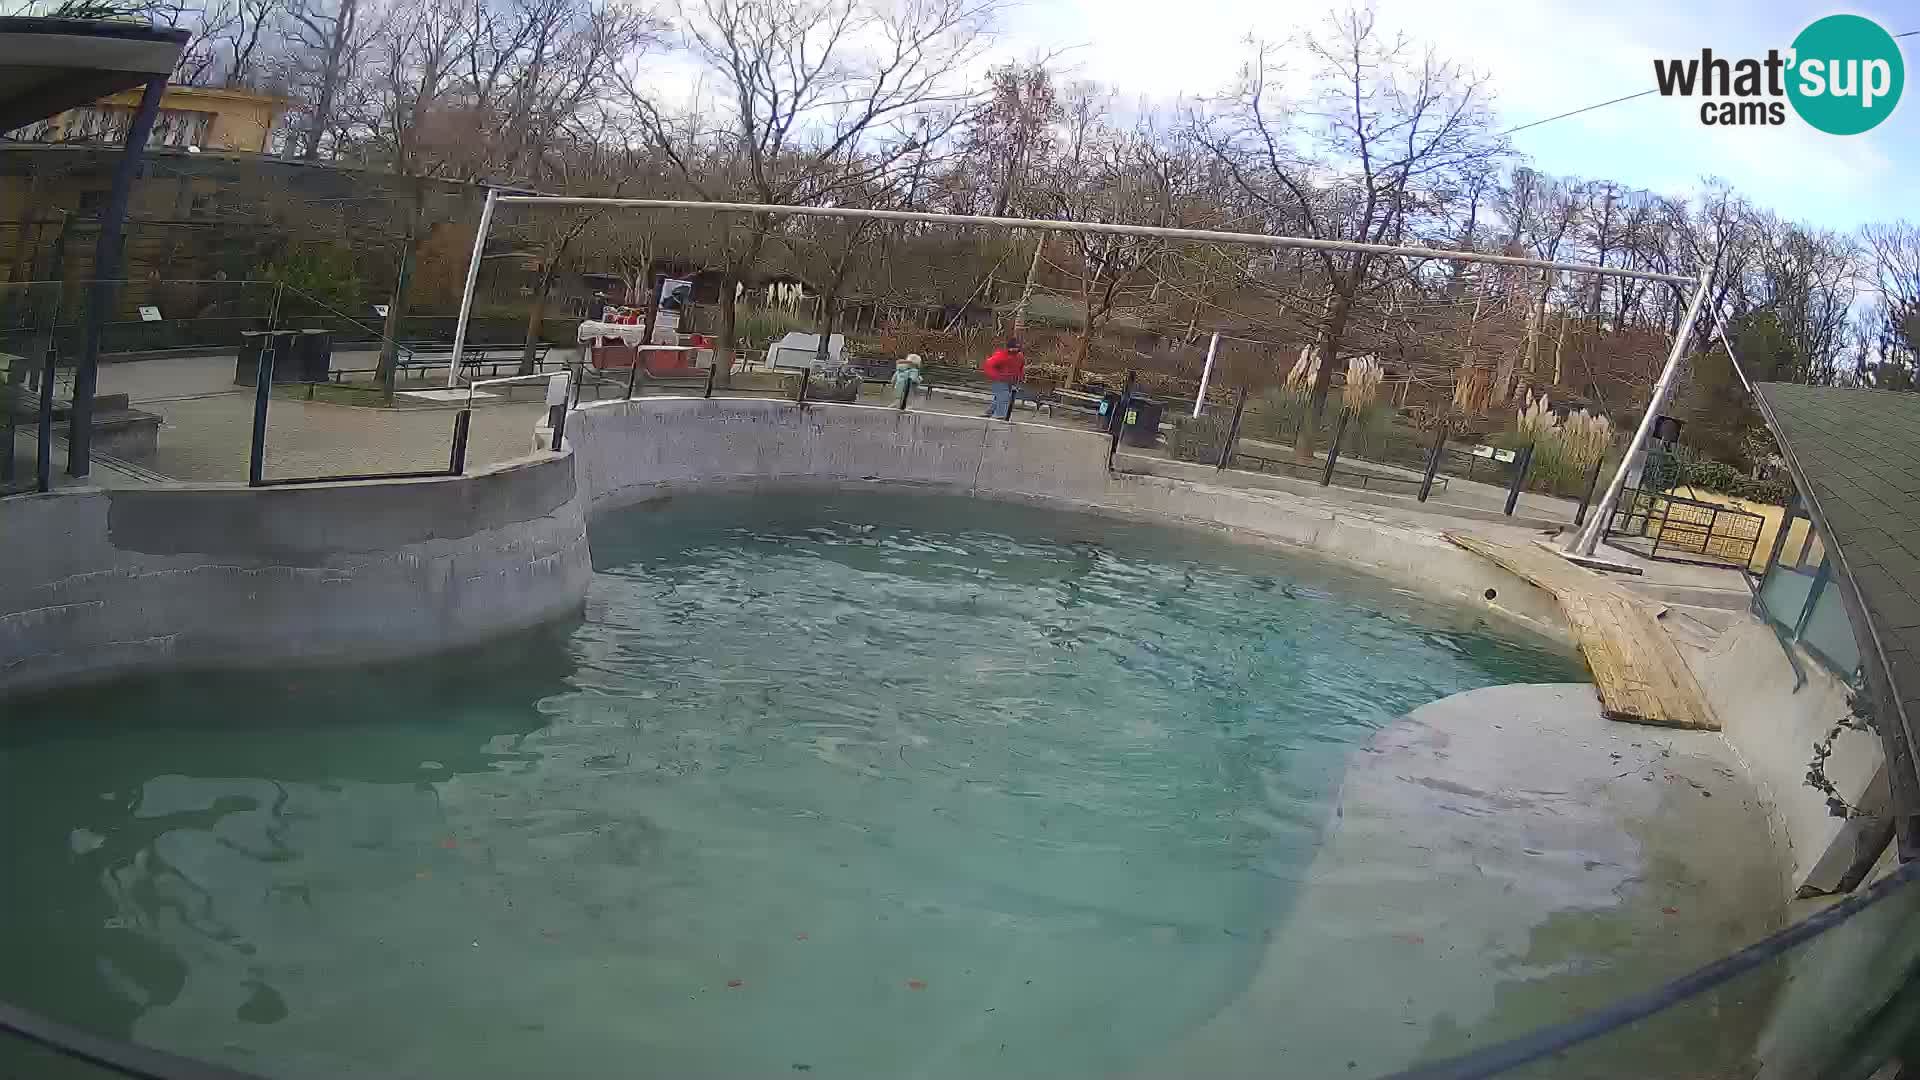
x,y
97,583
102,582
633,451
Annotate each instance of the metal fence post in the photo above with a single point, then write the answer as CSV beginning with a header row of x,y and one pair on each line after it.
x,y
262,390
1433,461
806,373
1126,394
1233,430
1821,575
1780,534
1666,512
1333,447
1520,466
1586,499
633,375
461,421
43,468
710,370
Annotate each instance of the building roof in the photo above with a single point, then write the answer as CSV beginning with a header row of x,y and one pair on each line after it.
x,y
1855,455
48,66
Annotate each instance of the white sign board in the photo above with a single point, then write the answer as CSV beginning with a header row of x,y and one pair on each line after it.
x,y
149,313
380,310
675,293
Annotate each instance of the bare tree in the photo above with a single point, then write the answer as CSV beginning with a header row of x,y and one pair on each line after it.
x,y
820,98
1807,278
1108,176
1892,258
326,39
1387,125
230,39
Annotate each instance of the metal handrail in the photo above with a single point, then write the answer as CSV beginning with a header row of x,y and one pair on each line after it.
x,y
503,380
124,1058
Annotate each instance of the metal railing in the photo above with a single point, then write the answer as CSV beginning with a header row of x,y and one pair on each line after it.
x,y
257,452
1664,526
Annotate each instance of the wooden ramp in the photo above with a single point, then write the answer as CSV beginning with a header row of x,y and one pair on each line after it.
x,y
1641,675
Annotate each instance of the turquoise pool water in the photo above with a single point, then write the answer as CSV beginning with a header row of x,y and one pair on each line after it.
x,y
851,786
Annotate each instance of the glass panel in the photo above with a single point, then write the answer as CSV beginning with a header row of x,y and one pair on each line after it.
x,y
1784,595
1829,633
1812,551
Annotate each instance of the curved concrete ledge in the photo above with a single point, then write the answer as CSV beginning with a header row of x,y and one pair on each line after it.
x,y
632,451
102,582
1499,860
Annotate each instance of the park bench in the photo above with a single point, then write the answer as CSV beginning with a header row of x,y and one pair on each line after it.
x,y
477,361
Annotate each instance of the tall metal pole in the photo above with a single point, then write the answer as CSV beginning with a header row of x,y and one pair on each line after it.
x,y
106,268
1109,228
1585,541
1206,373
473,279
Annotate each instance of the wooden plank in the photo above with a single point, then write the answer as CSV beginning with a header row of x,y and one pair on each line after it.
x,y
1638,669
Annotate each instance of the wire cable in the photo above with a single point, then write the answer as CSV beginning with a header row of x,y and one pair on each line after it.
x,y
1615,101
1576,112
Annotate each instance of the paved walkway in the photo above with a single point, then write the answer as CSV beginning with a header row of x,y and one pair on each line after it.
x,y
207,425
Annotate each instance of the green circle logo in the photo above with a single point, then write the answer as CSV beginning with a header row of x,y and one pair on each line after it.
x,y
1846,76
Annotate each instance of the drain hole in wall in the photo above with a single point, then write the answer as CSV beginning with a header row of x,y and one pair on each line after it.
x,y
1490,594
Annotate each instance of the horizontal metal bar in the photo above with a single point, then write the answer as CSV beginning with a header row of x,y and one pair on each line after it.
x,y
503,380
126,1059
1498,1059
1256,239
290,481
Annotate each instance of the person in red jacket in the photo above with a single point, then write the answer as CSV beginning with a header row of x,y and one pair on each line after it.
x,y
1005,368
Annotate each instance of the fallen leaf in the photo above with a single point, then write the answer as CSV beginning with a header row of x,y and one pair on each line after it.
x,y
735,984
916,984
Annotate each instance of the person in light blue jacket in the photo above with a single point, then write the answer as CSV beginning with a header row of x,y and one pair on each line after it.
x,y
906,375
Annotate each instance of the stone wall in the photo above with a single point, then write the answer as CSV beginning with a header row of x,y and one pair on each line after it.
x,y
100,582
1773,718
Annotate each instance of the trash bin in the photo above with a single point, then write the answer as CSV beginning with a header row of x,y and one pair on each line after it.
x,y
247,361
312,359
1140,421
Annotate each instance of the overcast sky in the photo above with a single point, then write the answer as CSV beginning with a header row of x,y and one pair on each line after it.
x,y
1547,57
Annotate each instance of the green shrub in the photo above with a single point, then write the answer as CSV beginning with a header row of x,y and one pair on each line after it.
x,y
1198,438
1275,415
1724,479
322,272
